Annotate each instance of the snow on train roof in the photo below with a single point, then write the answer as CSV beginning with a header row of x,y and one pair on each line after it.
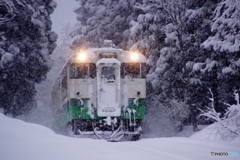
x,y
123,56
108,60
105,49
94,52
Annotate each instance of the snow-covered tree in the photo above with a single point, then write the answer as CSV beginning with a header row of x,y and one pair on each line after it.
x,y
100,20
219,67
172,32
225,26
26,42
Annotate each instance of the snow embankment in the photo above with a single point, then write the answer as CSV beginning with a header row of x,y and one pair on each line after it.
x,y
214,132
24,141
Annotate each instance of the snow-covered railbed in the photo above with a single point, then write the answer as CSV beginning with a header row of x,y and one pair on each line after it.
x,y
25,141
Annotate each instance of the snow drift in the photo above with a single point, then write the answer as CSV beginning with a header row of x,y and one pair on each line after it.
x,y
25,141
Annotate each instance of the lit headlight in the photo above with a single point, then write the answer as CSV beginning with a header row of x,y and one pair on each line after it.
x,y
81,57
134,56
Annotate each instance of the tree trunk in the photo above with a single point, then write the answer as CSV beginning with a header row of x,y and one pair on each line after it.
x,y
193,118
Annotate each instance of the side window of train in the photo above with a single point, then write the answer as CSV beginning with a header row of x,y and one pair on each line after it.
x,y
83,70
73,70
134,70
63,84
64,87
92,70
143,70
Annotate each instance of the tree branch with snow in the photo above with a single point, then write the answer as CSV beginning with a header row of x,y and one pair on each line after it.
x,y
6,8
225,27
230,123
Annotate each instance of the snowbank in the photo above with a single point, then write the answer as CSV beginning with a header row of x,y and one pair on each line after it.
x,y
212,133
25,141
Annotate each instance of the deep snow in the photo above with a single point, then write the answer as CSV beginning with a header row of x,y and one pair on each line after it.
x,y
25,141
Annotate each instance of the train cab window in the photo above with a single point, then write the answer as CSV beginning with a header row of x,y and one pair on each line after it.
x,y
108,74
84,70
134,70
92,70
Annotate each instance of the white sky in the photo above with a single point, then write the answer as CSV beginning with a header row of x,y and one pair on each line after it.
x,y
63,15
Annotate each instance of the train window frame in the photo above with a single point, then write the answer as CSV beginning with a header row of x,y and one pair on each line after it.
x,y
107,55
142,70
89,70
63,87
63,84
107,79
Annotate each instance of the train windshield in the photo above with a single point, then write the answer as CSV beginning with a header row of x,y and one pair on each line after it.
x,y
134,70
108,74
83,70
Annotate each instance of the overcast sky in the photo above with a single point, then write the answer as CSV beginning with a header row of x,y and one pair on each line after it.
x,y
63,15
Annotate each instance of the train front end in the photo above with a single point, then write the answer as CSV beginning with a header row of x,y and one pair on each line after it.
x,y
106,93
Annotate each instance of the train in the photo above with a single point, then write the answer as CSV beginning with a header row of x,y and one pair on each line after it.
x,y
102,92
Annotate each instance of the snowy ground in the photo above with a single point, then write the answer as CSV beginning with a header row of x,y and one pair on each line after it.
x,y
25,141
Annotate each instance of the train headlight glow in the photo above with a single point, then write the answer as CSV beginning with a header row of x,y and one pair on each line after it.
x,y
81,57
134,56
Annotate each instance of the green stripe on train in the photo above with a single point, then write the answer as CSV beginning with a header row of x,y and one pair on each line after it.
x,y
76,110
82,111
139,109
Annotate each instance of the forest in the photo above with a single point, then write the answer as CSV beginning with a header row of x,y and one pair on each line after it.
x,y
192,49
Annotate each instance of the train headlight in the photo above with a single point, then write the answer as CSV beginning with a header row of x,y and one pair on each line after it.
x,y
134,56
81,57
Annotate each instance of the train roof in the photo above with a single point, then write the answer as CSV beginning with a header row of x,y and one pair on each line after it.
x,y
92,55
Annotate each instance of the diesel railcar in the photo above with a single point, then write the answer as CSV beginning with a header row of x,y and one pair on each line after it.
x,y
102,92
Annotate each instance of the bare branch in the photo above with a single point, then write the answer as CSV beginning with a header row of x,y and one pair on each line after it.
x,y
212,114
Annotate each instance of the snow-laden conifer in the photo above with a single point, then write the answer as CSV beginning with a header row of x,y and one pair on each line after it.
x,y
100,20
26,42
